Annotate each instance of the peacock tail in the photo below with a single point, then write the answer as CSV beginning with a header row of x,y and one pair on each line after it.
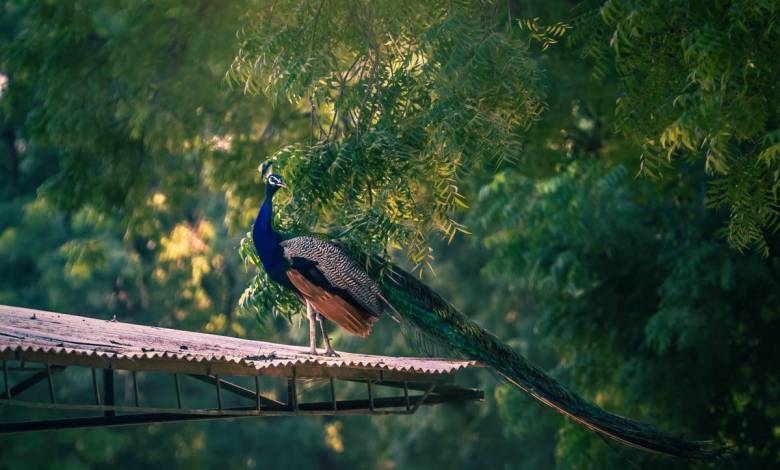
x,y
419,305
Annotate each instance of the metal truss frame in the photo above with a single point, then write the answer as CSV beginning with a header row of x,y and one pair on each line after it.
x,y
410,396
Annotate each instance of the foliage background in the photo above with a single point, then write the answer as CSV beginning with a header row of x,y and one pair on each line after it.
x,y
596,182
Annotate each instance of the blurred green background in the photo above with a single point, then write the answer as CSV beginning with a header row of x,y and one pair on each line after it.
x,y
595,182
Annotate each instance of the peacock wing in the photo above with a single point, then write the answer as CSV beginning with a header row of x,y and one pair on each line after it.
x,y
333,283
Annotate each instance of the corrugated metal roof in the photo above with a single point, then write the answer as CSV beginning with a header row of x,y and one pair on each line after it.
x,y
36,335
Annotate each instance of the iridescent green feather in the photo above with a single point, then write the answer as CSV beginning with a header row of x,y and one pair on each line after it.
x,y
429,312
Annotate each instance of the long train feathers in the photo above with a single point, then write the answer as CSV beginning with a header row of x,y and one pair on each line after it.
x,y
425,309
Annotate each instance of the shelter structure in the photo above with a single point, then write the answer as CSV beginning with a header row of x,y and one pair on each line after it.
x,y
134,374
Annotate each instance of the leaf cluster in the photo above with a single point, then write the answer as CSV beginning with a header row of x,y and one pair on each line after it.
x,y
404,100
700,85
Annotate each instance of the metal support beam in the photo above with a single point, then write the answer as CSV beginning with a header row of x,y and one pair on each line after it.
x,y
423,398
108,391
257,393
219,392
5,379
17,389
333,394
349,407
95,387
238,390
292,392
178,390
51,384
370,396
135,388
102,421
113,414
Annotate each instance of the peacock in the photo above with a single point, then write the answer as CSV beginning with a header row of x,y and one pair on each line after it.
x,y
353,291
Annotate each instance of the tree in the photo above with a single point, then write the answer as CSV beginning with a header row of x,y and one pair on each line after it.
x,y
131,178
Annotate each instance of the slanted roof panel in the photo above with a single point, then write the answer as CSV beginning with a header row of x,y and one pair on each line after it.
x,y
69,339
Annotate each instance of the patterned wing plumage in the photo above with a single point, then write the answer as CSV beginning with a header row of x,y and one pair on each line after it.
x,y
333,283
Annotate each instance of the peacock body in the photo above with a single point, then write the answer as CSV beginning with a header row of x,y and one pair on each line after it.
x,y
334,284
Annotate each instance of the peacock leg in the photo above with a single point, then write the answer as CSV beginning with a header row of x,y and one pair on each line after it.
x,y
328,349
312,329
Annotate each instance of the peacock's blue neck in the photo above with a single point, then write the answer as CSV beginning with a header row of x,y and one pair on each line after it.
x,y
267,240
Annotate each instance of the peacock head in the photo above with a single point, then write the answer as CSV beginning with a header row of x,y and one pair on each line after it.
x,y
272,180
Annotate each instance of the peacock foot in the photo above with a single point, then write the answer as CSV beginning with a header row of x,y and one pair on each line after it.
x,y
331,353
